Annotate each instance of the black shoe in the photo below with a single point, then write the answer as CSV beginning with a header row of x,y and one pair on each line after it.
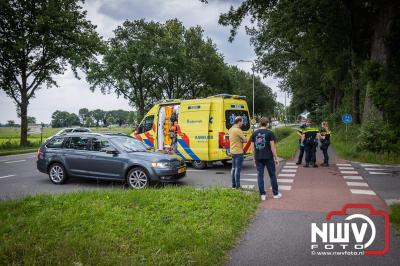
x,y
298,163
325,164
314,165
306,165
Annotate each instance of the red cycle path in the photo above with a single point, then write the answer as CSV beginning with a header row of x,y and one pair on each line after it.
x,y
320,189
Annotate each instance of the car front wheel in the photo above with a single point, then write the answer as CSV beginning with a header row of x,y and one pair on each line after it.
x,y
138,178
57,174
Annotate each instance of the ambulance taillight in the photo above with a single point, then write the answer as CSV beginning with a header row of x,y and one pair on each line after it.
x,y
223,141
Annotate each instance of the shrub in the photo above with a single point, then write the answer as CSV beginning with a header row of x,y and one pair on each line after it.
x,y
281,133
376,136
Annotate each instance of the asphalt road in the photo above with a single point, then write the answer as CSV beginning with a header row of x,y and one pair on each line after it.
x,y
19,177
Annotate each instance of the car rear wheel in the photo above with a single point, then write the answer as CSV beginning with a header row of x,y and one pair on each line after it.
x,y
57,174
138,178
199,164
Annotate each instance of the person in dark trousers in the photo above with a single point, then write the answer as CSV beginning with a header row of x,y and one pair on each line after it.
x,y
310,139
236,139
325,141
264,156
173,133
301,145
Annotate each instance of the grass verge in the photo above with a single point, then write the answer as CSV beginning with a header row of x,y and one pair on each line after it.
x,y
395,217
288,146
172,226
346,148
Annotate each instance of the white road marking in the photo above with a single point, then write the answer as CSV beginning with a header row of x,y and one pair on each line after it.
x,y
285,187
348,172
289,170
291,166
362,192
194,170
287,175
18,161
376,169
357,184
291,163
283,180
343,164
251,174
371,165
378,173
248,179
353,177
6,176
248,186
346,168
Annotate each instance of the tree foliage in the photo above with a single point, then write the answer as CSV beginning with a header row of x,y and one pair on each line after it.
x,y
334,56
39,40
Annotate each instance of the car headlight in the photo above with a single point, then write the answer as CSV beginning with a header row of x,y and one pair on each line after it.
x,y
161,165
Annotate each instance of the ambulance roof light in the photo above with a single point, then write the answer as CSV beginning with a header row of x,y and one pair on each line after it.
x,y
225,95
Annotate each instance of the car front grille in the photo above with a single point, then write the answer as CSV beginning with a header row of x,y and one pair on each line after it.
x,y
177,164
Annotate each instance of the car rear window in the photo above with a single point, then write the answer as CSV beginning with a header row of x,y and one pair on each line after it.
x,y
55,143
230,116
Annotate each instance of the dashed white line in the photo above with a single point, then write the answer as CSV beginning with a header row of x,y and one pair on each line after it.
x,y
378,173
289,170
6,176
283,180
376,169
353,177
362,192
370,165
357,184
285,187
343,164
291,166
248,186
194,170
251,174
346,168
248,179
287,175
348,172
18,161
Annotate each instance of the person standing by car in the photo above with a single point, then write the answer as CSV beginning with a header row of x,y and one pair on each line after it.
x,y
265,156
236,139
325,142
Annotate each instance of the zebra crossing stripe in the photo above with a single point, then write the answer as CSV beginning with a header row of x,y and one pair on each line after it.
x,y
357,184
343,164
362,192
283,180
287,175
348,172
353,177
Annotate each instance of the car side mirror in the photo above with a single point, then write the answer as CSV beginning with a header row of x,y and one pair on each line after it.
x,y
111,151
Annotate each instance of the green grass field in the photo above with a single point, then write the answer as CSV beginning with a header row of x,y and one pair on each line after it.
x,y
172,226
9,138
395,217
287,147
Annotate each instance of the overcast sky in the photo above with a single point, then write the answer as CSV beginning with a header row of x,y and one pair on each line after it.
x,y
74,94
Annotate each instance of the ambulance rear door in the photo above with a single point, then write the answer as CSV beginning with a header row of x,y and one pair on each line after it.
x,y
194,121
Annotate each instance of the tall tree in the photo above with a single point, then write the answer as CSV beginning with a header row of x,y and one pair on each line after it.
x,y
84,114
38,39
98,115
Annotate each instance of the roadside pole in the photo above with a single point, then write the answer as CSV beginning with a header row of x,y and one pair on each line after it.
x,y
347,118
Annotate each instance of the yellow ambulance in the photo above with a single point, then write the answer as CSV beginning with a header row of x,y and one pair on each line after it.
x,y
203,125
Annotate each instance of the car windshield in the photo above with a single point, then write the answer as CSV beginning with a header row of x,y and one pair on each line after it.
x,y
129,144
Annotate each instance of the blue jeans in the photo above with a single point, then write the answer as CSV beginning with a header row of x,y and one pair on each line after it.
x,y
270,164
237,161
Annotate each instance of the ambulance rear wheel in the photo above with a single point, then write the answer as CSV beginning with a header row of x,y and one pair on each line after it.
x,y
199,164
226,162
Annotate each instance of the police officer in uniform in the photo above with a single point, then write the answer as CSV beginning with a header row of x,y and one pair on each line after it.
x,y
325,141
310,141
301,153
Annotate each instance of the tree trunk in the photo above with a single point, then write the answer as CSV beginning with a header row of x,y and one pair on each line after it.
x,y
379,53
24,121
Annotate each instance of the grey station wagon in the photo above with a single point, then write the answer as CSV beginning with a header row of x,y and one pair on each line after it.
x,y
106,156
